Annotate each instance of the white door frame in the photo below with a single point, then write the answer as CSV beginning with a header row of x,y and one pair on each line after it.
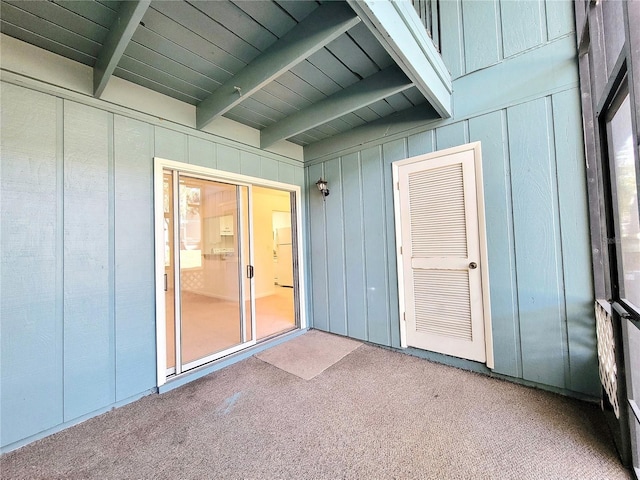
x,y
159,164
476,147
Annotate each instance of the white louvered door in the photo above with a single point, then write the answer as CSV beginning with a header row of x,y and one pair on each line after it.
x,y
441,261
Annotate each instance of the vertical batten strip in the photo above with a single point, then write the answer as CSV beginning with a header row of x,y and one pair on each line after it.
x,y
512,242
578,285
500,33
325,254
318,250
544,24
335,246
490,129
112,252
369,235
309,257
452,36
353,246
562,306
375,251
536,236
435,23
393,151
364,251
60,242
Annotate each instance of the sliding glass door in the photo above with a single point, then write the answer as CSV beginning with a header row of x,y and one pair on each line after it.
x,y
227,252
274,275
208,270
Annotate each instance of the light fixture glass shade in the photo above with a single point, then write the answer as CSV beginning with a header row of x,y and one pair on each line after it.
x,y
323,186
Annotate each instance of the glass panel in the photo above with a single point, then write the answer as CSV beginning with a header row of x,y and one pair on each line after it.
x,y
209,268
244,240
632,349
167,185
627,202
613,19
273,250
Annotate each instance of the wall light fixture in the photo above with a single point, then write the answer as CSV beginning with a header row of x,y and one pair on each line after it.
x,y
323,186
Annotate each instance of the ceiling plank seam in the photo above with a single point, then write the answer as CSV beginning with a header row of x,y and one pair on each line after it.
x,y
322,26
120,33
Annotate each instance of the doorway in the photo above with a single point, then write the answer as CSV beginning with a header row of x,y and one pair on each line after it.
x,y
442,260
218,242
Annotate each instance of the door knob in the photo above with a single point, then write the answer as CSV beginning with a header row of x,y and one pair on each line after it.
x,y
473,265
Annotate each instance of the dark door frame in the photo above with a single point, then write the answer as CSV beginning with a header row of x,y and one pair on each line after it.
x,y
603,83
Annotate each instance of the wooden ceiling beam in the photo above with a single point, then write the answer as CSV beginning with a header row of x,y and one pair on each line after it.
x,y
322,26
119,36
376,87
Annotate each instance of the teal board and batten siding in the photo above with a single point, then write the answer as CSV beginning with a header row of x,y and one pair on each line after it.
x,y
77,254
529,125
478,34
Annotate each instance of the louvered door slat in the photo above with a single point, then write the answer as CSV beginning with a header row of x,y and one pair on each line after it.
x,y
437,209
442,302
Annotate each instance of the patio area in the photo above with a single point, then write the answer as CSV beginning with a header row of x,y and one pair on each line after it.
x,y
374,413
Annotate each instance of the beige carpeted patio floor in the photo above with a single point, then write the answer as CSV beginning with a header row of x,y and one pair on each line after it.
x,y
374,414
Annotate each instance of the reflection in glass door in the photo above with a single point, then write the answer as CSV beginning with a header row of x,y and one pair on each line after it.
x,y
627,211
206,241
275,249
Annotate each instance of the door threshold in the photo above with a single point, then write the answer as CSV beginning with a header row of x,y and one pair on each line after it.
x,y
201,371
276,334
